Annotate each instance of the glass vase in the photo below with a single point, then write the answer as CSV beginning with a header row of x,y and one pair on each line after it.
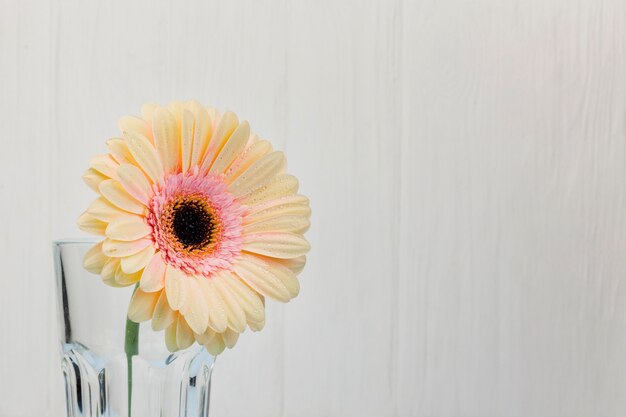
x,y
102,377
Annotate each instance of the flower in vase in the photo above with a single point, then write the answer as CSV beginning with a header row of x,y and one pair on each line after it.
x,y
201,213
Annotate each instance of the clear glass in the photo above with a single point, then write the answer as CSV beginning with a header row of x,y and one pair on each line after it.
x,y
92,326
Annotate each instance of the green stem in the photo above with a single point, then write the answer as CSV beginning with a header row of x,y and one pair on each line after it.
x,y
131,347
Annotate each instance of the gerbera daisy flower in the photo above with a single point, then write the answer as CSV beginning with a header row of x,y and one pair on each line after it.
x,y
200,213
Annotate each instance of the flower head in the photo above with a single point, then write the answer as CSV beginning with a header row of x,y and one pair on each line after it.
x,y
201,213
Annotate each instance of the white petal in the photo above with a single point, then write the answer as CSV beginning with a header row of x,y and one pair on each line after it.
x,y
278,187
227,125
195,309
119,249
184,335
292,224
235,145
259,174
94,259
249,156
142,305
145,155
218,320
175,287
276,245
249,299
163,315
128,227
234,311
105,164
113,191
87,223
135,124
93,178
201,134
262,278
153,277
186,138
135,263
166,138
135,182
104,211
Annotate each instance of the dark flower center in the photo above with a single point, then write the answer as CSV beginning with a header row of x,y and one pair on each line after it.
x,y
192,223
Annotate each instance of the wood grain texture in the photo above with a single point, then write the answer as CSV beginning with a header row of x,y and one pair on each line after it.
x,y
466,164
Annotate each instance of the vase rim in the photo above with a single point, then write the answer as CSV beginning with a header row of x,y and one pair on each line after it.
x,y
75,241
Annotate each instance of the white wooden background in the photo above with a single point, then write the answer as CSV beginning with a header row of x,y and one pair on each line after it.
x,y
466,164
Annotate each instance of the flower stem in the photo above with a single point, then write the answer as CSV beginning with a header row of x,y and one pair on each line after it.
x,y
131,347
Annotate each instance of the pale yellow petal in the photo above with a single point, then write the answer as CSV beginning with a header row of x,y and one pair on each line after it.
x,y
135,263
128,227
278,187
94,259
175,287
166,139
119,249
147,112
295,264
249,299
289,205
218,320
145,155
176,108
195,309
186,138
87,223
104,211
259,173
135,124
135,182
215,346
201,134
124,279
262,278
234,311
248,157
153,278
292,224
170,335
119,151
256,326
93,178
163,315
184,334
276,245
109,269
230,338
113,191
105,164
214,116
203,338
142,305
233,147
227,125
